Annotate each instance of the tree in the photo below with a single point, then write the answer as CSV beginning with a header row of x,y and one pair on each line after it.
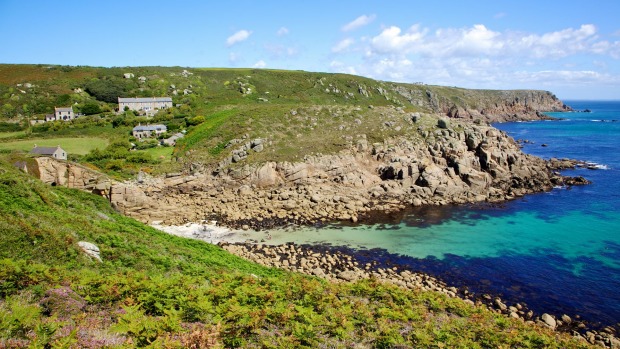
x,y
90,108
106,90
8,110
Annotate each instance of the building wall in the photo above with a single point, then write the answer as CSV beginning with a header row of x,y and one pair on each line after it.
x,y
146,106
60,154
64,115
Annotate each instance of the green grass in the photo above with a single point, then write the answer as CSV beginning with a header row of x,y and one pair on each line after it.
x,y
156,290
163,154
79,146
12,134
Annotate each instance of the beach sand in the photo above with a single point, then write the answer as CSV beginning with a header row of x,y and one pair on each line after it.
x,y
210,232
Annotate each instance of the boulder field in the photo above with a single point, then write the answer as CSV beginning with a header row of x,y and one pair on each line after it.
x,y
454,162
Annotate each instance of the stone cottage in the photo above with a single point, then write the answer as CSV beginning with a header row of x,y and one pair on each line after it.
x,y
149,105
54,152
148,131
63,113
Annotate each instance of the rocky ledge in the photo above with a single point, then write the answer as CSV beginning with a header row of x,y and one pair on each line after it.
x,y
439,162
335,265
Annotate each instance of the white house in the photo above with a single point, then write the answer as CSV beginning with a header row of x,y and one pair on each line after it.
x,y
148,131
150,105
63,114
54,152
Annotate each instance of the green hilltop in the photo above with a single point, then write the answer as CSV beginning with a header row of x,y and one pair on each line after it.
x,y
297,113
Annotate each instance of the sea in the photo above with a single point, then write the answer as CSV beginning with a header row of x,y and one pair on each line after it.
x,y
558,252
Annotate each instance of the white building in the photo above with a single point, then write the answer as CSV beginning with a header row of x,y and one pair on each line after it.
x,y
64,114
54,152
150,105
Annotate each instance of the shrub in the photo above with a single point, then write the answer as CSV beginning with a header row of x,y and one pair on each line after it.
x,y
196,120
90,108
106,90
62,302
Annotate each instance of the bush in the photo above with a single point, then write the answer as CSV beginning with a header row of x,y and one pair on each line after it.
x,y
90,108
106,90
62,302
197,120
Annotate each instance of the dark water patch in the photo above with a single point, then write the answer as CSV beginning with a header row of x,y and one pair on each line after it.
x,y
545,282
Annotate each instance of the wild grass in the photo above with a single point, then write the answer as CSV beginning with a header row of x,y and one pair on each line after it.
x,y
156,290
80,146
16,134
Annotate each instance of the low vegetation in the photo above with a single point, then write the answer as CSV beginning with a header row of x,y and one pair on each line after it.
x,y
156,290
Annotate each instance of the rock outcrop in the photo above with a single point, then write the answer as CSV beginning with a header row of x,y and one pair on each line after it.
x,y
464,163
489,105
72,175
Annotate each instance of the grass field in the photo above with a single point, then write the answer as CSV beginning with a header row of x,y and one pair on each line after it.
x,y
11,134
80,146
160,153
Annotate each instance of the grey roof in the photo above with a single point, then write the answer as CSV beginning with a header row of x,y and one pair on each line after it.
x,y
144,99
150,128
67,109
44,150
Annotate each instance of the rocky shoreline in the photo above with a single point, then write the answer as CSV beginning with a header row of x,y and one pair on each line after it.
x,y
440,163
341,265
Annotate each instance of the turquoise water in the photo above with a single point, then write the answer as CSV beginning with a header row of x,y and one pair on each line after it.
x,y
558,252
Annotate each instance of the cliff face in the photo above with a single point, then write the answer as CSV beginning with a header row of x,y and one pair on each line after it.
x,y
489,105
71,175
459,164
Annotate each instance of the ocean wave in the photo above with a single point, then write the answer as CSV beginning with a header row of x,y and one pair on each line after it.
x,y
595,166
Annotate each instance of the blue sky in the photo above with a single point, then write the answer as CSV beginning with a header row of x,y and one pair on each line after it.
x,y
571,48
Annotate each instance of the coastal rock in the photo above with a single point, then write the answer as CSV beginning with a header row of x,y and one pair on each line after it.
x,y
90,249
548,320
463,163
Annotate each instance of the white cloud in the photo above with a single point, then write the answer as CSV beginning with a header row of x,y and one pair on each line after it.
x,y
343,45
232,57
358,23
499,15
282,31
480,40
340,67
260,64
391,39
237,37
480,57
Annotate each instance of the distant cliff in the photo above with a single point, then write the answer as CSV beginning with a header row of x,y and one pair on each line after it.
x,y
490,105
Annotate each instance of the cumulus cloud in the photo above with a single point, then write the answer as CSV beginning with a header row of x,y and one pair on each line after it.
x,y
392,39
259,64
358,23
480,57
237,37
343,45
480,40
282,31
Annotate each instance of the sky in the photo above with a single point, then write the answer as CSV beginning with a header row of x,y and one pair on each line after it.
x,y
571,48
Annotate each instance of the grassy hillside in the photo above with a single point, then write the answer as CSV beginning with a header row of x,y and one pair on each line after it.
x,y
156,290
295,113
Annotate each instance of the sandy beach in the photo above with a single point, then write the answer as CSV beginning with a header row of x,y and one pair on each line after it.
x,y
210,232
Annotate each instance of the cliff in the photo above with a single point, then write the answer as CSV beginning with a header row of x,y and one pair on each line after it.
x,y
452,163
489,105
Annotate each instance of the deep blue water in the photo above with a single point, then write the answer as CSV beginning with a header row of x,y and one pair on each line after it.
x,y
558,252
